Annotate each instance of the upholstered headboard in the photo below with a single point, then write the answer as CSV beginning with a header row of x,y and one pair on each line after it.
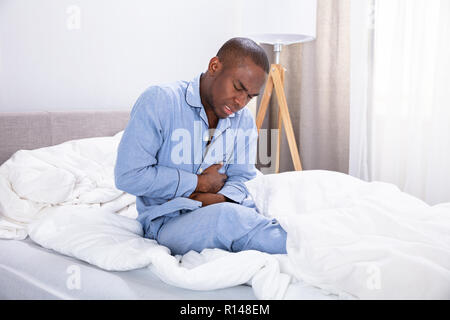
x,y
32,130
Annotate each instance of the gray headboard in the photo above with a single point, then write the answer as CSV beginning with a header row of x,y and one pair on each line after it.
x,y
32,130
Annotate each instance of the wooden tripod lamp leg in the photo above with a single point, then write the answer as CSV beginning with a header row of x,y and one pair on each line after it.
x,y
264,102
276,79
279,126
282,102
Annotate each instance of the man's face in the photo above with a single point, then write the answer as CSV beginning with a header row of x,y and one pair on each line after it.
x,y
233,87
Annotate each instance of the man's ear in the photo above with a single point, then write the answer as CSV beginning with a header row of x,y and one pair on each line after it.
x,y
215,66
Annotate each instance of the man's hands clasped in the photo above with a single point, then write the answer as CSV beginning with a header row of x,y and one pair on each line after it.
x,y
209,183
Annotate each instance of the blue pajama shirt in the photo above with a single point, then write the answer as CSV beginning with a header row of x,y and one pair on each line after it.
x,y
164,147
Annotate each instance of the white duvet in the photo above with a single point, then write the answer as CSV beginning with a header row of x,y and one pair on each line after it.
x,y
345,236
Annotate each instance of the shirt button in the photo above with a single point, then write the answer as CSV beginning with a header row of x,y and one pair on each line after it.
x,y
200,170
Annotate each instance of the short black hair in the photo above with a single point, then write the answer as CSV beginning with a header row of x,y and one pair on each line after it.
x,y
234,51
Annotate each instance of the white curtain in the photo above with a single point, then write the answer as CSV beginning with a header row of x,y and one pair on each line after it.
x,y
400,95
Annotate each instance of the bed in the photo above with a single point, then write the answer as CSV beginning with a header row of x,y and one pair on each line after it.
x,y
347,238
29,271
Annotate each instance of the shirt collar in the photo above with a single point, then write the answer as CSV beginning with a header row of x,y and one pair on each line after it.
x,y
193,94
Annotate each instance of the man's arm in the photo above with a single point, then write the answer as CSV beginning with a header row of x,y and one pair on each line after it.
x,y
137,171
208,198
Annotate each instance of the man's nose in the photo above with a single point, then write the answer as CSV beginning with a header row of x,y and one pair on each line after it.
x,y
241,100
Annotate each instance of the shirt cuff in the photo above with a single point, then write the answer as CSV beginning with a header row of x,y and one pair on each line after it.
x,y
187,182
233,193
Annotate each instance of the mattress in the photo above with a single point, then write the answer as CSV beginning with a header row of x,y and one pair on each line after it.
x,y
28,271
31,272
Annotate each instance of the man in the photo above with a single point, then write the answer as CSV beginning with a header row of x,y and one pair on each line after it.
x,y
181,155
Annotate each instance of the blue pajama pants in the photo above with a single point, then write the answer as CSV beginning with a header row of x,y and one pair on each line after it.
x,y
227,226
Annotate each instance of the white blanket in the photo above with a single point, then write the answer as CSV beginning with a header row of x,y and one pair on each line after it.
x,y
369,240
345,236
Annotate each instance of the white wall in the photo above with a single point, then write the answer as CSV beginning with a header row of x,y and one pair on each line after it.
x,y
84,54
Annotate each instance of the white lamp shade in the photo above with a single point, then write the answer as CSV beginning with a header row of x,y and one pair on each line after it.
x,y
279,21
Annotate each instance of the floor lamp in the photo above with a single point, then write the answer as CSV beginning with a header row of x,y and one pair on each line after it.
x,y
279,23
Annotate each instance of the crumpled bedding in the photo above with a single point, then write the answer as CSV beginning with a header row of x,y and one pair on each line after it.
x,y
369,240
346,237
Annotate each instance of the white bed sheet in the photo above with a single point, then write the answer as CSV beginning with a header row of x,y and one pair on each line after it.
x,y
28,271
